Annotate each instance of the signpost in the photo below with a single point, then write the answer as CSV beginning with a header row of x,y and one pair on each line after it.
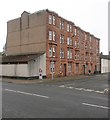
x,y
52,68
40,73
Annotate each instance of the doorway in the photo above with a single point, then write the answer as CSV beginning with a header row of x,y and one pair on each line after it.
x,y
84,69
64,70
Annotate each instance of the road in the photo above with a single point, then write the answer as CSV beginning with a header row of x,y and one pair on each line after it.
x,y
86,98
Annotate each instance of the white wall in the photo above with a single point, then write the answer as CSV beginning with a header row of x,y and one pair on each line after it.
x,y
0,70
8,69
25,70
34,65
0,90
22,70
109,66
105,65
14,70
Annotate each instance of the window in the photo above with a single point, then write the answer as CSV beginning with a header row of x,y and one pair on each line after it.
x,y
61,66
54,36
50,35
75,44
53,20
77,56
50,19
70,28
69,67
50,52
52,67
90,58
75,32
69,41
54,50
85,37
67,27
82,57
61,53
77,67
69,54
61,24
78,44
61,39
90,38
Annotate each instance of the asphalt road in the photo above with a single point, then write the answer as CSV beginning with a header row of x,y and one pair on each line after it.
x,y
86,98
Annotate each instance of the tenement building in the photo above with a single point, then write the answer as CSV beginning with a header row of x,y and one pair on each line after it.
x,y
65,48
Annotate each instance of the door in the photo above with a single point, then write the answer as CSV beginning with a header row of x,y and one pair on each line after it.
x,y
84,69
64,70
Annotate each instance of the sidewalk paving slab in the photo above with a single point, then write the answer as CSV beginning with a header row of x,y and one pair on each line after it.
x,y
30,81
34,80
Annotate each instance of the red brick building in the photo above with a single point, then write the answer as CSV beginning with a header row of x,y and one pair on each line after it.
x,y
73,50
69,49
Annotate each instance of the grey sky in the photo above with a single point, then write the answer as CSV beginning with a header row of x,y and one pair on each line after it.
x,y
90,15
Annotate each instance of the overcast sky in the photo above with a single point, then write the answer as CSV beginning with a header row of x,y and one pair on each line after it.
x,y
90,15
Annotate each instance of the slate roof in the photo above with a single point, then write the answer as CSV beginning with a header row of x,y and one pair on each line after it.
x,y
105,57
19,58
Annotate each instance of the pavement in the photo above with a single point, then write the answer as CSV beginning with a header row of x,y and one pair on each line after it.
x,y
72,97
90,81
59,79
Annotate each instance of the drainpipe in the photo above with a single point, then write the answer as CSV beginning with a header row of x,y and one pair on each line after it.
x,y
15,70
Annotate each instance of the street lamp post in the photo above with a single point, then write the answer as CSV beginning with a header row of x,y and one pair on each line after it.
x,y
52,68
72,38
73,42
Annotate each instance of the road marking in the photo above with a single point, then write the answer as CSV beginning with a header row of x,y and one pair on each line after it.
x,y
83,89
92,105
106,90
79,88
70,84
70,87
62,86
26,93
89,90
99,91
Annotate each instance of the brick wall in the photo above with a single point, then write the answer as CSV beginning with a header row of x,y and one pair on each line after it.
x,y
85,56
27,34
30,34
